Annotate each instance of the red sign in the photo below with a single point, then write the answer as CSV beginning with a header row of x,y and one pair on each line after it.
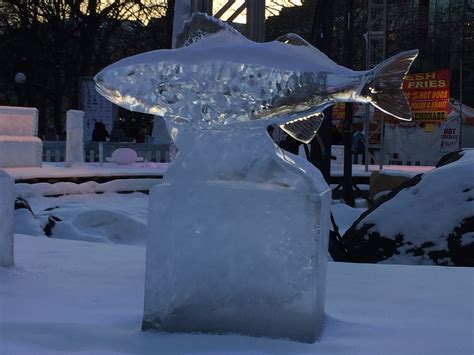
x,y
338,112
428,94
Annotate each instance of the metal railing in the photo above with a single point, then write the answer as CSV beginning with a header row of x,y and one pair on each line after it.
x,y
55,151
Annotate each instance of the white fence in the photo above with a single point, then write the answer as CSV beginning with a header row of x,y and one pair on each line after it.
x,y
55,151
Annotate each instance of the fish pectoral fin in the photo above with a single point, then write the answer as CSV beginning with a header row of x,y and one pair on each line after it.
x,y
303,129
384,91
201,25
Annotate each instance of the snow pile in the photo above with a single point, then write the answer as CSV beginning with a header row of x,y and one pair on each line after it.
x,y
345,215
106,218
26,223
434,206
425,220
102,226
69,188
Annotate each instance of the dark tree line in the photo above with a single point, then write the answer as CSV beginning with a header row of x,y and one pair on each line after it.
x,y
55,43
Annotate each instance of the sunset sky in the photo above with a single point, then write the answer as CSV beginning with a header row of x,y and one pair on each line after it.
x,y
273,7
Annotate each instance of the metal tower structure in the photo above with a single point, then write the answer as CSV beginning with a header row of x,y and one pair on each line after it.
x,y
255,13
375,53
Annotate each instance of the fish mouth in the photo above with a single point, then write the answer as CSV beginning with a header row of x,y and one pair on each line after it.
x,y
129,102
107,91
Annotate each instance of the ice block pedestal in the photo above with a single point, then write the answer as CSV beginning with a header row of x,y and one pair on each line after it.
x,y
246,257
7,206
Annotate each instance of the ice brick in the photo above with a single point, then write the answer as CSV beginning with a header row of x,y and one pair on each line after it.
x,y
243,258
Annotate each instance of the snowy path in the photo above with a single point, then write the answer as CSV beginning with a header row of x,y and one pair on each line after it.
x,y
67,296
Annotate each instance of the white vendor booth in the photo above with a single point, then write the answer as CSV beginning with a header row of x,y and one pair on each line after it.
x,y
417,144
19,144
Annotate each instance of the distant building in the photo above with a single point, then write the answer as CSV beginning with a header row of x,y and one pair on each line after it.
x,y
443,30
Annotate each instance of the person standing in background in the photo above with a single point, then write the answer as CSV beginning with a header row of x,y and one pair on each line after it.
x,y
117,134
51,133
99,134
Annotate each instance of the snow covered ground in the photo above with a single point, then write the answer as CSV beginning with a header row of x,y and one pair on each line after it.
x,y
76,296
66,297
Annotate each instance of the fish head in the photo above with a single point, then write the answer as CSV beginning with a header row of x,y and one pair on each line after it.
x,y
140,86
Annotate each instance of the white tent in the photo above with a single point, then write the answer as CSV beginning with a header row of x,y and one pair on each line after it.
x,y
414,144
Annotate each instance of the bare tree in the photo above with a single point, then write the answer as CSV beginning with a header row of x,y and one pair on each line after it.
x,y
56,42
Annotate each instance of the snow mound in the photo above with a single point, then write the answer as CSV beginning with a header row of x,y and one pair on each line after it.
x,y
425,222
103,218
26,223
90,187
345,215
124,156
103,227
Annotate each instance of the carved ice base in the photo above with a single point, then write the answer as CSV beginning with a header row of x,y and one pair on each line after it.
x,y
236,257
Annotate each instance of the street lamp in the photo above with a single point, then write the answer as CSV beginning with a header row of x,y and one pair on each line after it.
x,y
20,80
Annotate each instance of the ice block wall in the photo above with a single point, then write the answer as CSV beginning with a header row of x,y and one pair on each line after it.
x,y
7,206
75,138
19,144
18,121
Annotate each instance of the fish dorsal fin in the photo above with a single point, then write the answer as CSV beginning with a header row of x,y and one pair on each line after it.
x,y
304,129
293,40
201,25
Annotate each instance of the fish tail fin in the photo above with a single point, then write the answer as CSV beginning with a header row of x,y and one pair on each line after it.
x,y
384,90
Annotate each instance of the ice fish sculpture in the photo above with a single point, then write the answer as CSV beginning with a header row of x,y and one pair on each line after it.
x,y
219,79
238,229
